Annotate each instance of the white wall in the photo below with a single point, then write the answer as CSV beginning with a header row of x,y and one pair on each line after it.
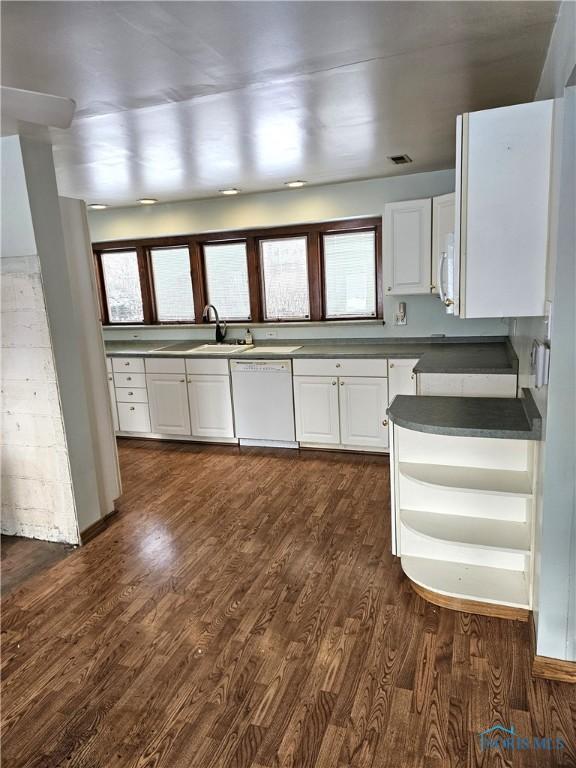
x,y
37,494
308,204
555,587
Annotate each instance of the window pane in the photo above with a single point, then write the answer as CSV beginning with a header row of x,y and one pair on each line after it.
x,y
285,276
172,284
227,280
122,282
350,274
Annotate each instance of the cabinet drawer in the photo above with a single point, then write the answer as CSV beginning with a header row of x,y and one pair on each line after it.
x,y
134,417
124,364
341,367
207,366
126,395
130,379
165,365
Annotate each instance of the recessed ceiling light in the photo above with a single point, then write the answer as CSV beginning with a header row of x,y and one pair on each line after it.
x,y
147,201
231,191
294,184
97,206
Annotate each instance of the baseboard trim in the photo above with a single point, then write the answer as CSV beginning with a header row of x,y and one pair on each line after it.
x,y
548,668
471,606
96,528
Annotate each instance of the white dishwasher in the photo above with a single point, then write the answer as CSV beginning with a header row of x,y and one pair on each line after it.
x,y
263,402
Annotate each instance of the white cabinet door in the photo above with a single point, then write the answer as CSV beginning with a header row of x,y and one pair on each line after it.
x,y
407,247
168,400
316,409
401,378
210,405
112,393
503,170
443,217
363,403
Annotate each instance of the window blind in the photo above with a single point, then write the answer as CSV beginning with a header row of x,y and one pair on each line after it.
x,y
172,284
349,274
285,278
122,282
226,271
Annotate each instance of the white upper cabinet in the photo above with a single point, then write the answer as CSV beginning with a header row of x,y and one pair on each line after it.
x,y
503,163
401,377
210,405
407,240
316,409
363,403
168,401
443,214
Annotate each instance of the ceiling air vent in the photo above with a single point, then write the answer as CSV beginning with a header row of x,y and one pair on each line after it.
x,y
400,159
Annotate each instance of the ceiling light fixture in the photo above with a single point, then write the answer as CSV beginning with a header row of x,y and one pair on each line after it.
x,y
147,201
97,206
231,191
294,184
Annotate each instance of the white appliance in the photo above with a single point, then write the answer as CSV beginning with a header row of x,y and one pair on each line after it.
x,y
447,277
263,402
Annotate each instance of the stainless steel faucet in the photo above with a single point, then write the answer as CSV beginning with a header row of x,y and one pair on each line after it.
x,y
220,328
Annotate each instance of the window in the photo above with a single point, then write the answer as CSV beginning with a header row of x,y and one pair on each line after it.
x,y
122,285
350,274
319,271
172,285
285,278
226,268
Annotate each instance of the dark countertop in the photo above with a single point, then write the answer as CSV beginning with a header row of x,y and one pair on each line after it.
x,y
501,417
457,355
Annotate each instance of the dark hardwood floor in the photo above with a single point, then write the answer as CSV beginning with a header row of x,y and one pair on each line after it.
x,y
245,610
20,559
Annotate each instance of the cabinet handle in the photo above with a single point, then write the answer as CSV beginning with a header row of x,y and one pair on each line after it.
x,y
109,378
389,288
128,378
333,383
341,383
390,365
412,376
127,363
338,365
130,393
182,381
132,408
384,422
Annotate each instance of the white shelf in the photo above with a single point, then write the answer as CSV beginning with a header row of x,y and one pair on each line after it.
x,y
472,479
469,582
502,535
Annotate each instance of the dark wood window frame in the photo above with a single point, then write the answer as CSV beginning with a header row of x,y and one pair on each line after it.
x,y
252,237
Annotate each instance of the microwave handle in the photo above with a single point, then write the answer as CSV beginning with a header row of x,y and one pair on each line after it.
x,y
439,276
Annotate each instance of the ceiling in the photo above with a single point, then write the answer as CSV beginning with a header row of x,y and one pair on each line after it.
x,y
177,100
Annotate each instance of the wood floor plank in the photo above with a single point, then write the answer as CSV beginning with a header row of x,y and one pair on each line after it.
x,y
243,609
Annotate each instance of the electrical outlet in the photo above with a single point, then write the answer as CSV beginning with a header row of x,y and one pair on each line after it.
x,y
270,334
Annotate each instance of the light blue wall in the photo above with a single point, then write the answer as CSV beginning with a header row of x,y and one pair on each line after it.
x,y
334,201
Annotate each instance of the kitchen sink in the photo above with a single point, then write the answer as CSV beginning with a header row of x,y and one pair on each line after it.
x,y
184,347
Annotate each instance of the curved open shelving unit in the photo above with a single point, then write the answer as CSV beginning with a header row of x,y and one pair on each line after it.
x,y
503,535
476,583
469,479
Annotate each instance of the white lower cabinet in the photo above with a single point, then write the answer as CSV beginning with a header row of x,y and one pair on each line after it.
x,y
401,377
210,402
112,393
133,417
363,420
168,401
346,411
316,409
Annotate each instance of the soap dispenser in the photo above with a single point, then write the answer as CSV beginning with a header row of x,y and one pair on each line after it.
x,y
248,337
